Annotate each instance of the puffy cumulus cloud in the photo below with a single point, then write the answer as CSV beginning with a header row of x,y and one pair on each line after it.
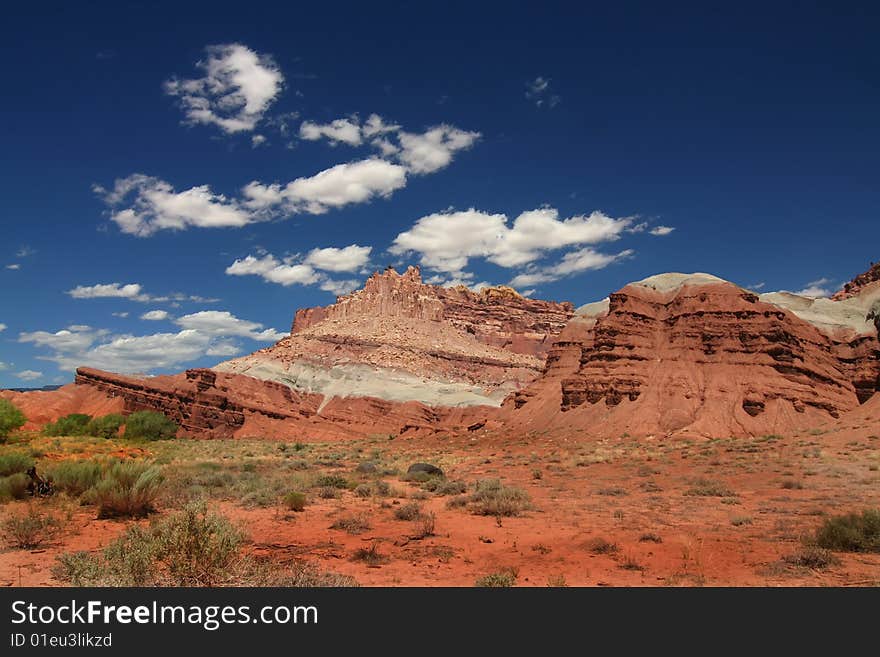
x,y
155,315
446,241
571,263
237,87
206,333
346,131
142,205
660,231
223,323
151,204
420,153
133,292
349,258
106,290
2,327
297,271
433,150
29,375
818,288
538,91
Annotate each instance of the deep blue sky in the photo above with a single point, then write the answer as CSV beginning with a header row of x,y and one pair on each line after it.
x,y
752,131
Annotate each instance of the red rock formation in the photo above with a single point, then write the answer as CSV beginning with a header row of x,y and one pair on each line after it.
x,y
212,404
859,283
402,340
703,357
41,407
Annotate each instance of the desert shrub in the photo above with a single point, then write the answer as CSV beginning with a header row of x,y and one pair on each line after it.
x,y
792,484
363,490
14,487
30,529
14,462
128,489
451,488
492,498
106,426
74,477
295,501
149,425
709,488
331,481
612,492
504,578
629,562
192,547
306,575
408,511
851,533
75,424
650,537
457,502
425,525
371,555
812,557
352,524
600,545
11,418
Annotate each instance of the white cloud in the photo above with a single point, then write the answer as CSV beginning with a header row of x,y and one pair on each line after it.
x,y
340,287
433,150
292,271
421,153
446,241
273,270
346,131
104,290
818,288
574,262
206,333
237,88
156,206
25,252
4,366
13,266
29,375
257,140
224,323
155,315
660,231
151,204
2,327
538,91
131,291
123,315
349,258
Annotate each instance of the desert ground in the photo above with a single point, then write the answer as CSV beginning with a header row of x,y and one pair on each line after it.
x,y
557,510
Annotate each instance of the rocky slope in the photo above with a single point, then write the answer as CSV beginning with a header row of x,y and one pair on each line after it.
x,y
680,353
674,354
401,340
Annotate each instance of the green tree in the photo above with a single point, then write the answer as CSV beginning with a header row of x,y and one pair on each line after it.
x,y
11,418
75,424
149,425
106,426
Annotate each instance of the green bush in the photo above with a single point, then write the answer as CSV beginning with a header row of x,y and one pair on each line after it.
x,y
106,426
331,481
14,487
851,533
149,425
74,477
11,418
75,424
128,489
295,501
14,462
